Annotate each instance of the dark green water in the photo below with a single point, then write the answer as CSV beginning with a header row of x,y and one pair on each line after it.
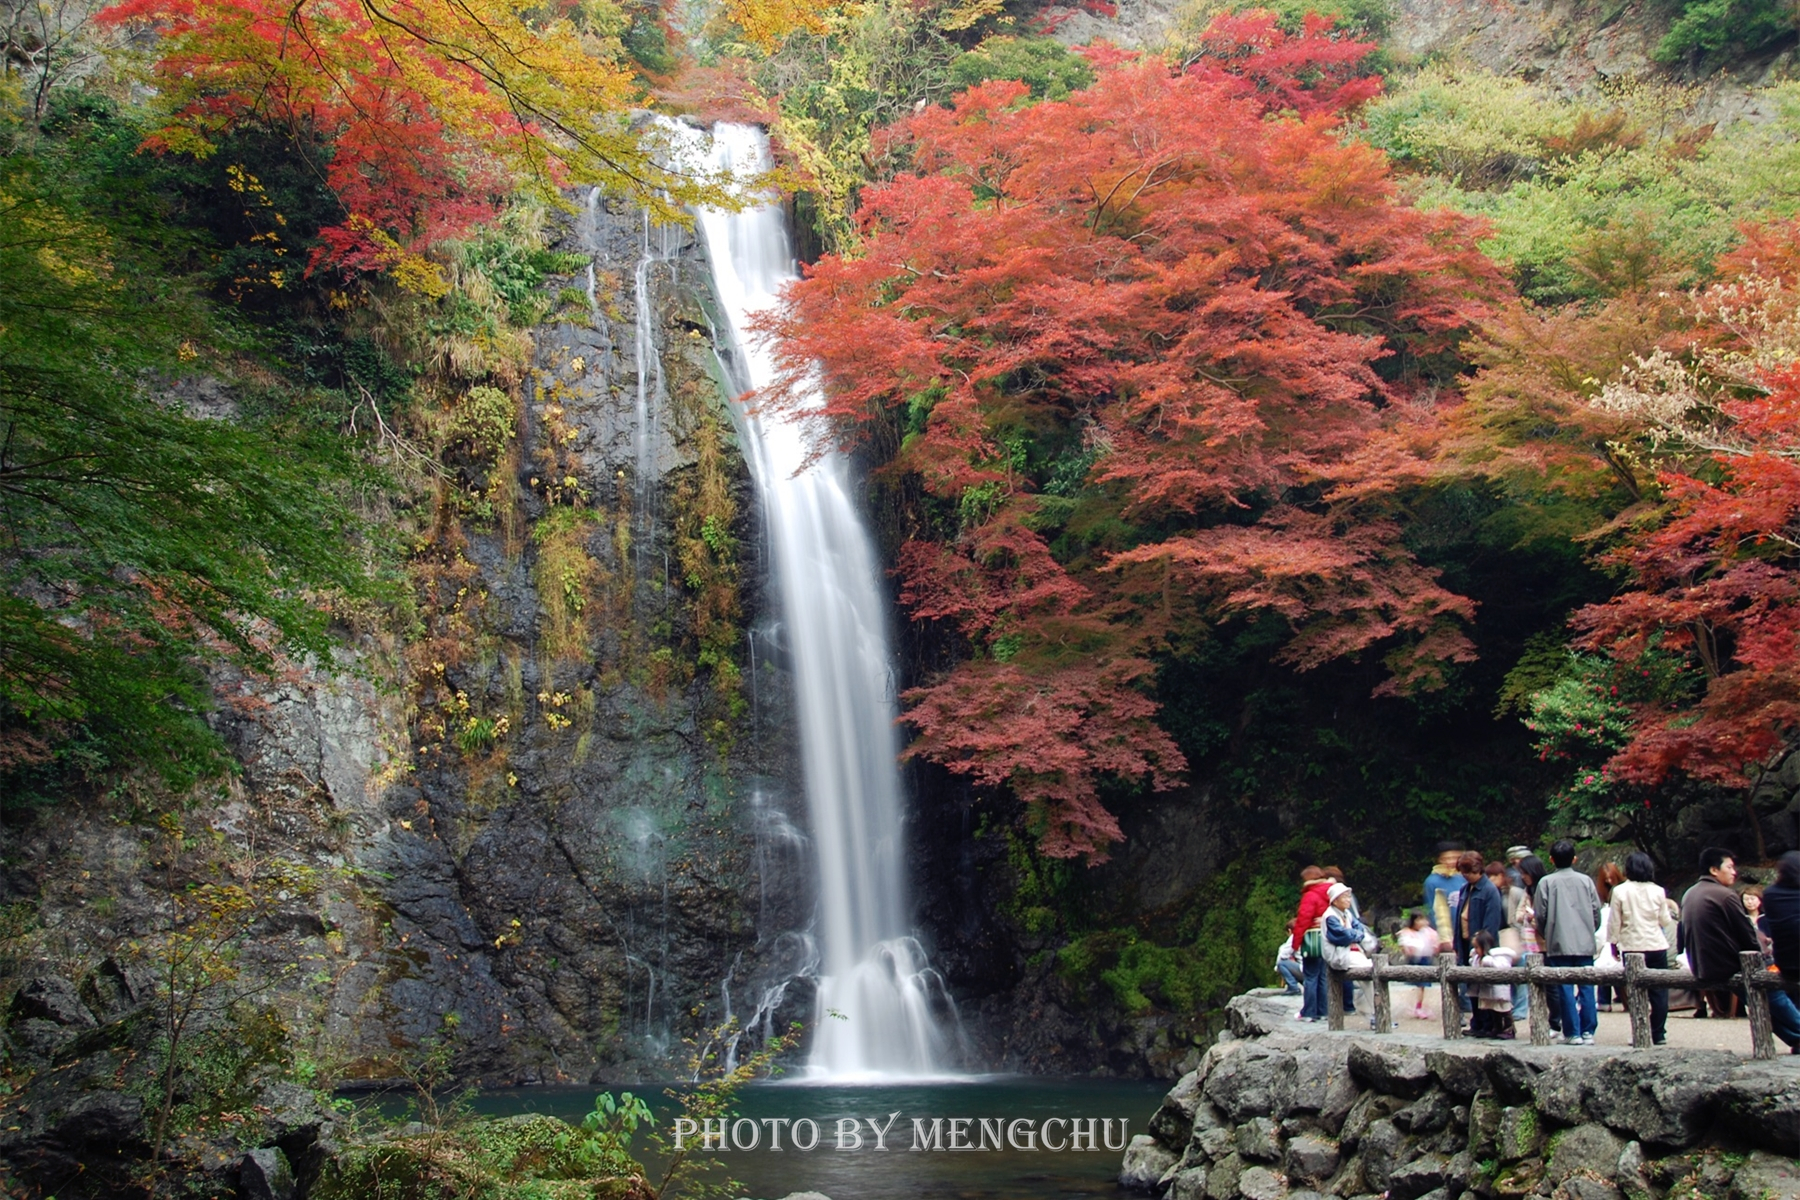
x,y
901,1173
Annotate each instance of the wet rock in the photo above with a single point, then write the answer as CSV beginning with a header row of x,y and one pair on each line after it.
x,y
264,1174
1259,1140
1312,1159
1146,1161
1394,1070
1590,1150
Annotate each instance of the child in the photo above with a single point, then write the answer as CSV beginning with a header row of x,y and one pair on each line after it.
x,y
1493,1001
1419,942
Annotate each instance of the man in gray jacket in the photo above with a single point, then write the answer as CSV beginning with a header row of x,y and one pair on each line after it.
x,y
1568,912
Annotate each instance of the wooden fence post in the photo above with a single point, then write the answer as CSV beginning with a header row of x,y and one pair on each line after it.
x,y
1449,1003
1383,1003
1637,1000
1540,1001
1756,1007
1334,999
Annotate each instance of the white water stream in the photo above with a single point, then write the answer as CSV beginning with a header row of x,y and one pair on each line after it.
x,y
878,994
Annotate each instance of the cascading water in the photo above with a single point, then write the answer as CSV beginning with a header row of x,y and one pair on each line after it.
x,y
879,997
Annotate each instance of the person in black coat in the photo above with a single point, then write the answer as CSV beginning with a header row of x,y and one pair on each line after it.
x,y
1781,921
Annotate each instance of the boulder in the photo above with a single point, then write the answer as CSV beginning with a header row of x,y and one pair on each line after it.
x,y
1312,1159
1369,1108
1394,1070
1188,1185
1424,1174
1260,1183
1763,1176
1173,1122
1484,1124
1520,1136
1254,1081
1146,1160
1589,1150
1461,1071
1760,1104
1428,1114
264,1174
1259,1140
1383,1149
1212,1143
1519,1179
52,998
1512,1073
1632,1178
1323,1084
1659,1098
1222,1178
1581,1187
110,1119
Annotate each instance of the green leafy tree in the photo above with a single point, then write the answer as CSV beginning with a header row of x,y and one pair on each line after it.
x,y
139,539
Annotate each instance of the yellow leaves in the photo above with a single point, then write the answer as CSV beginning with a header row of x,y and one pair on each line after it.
x,y
765,23
410,272
962,16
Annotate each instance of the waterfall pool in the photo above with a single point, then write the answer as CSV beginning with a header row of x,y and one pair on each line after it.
x,y
900,1173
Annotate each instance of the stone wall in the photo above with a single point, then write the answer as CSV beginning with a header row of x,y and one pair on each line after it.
x,y
1272,1114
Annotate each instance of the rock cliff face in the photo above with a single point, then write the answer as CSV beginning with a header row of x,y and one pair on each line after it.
x,y
546,808
1270,1114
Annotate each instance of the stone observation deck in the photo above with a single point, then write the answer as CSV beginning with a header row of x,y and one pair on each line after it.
x,y
1276,1113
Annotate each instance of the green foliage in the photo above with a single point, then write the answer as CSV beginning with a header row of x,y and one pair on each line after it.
x,y
1044,65
1710,32
141,541
1589,202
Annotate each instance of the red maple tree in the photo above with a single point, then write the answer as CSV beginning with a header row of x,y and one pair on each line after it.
x,y
1138,342
1714,567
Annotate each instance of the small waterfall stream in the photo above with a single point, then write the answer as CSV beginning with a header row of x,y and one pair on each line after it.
x,y
879,997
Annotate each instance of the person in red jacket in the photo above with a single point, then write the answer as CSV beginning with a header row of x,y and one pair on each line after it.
x,y
1309,940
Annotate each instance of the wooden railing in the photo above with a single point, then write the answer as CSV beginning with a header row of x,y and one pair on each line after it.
x,y
1637,980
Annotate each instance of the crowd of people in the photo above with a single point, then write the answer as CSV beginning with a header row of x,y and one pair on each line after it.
x,y
1492,914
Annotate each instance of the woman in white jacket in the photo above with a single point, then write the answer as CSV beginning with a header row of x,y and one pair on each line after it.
x,y
1636,911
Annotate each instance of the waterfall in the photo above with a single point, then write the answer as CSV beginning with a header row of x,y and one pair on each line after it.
x,y
878,995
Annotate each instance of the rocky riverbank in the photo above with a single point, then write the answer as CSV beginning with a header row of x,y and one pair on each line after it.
x,y
1272,1114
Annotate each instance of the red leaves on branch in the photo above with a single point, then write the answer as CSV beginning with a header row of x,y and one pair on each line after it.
x,y
1308,74
1157,278
1716,574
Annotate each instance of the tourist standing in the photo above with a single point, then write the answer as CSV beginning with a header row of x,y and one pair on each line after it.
x,y
1441,887
1516,855
1482,907
1635,912
1609,876
1308,938
1568,913
1419,943
1493,1001
1715,929
1345,930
